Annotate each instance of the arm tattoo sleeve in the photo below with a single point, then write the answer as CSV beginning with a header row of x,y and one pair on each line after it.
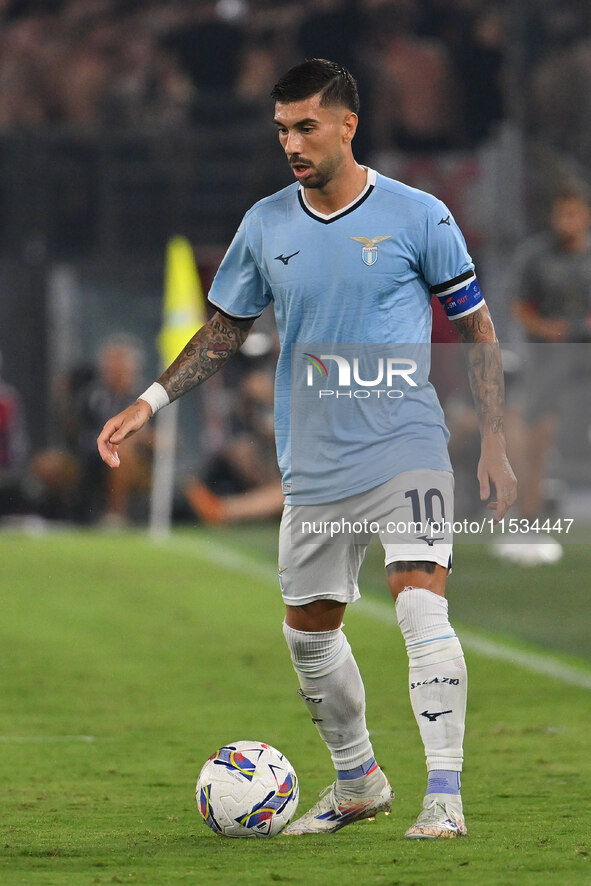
x,y
485,369
204,354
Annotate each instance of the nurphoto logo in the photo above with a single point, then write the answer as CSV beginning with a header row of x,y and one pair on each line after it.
x,y
388,372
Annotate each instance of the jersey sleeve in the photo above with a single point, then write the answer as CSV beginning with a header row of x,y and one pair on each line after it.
x,y
446,264
238,289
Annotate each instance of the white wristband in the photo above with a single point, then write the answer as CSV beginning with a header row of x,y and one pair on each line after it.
x,y
156,396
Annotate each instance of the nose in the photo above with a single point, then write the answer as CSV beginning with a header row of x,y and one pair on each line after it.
x,y
292,143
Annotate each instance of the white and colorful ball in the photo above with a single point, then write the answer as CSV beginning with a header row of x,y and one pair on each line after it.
x,y
247,789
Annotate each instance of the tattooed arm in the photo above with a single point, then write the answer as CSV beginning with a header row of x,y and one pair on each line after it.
x,y
202,356
485,372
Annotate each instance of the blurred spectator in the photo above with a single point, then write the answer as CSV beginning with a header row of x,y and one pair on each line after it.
x,y
208,43
551,281
261,62
478,59
68,482
82,68
330,29
13,448
241,482
25,96
475,36
552,273
561,86
147,87
53,486
415,96
110,498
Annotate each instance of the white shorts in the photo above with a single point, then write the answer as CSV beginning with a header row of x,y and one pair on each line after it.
x,y
321,547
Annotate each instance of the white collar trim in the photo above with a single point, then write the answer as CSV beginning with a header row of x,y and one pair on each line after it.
x,y
370,182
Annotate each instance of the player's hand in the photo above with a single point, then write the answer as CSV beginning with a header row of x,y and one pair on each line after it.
x,y
494,468
119,428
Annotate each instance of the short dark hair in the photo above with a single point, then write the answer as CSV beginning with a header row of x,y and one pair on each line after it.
x,y
317,75
572,190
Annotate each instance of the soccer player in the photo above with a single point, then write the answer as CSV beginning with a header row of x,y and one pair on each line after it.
x,y
352,258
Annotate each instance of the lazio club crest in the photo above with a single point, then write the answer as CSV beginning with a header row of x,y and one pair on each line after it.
x,y
369,253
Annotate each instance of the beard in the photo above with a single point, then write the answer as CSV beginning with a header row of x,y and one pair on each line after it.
x,y
316,180
321,175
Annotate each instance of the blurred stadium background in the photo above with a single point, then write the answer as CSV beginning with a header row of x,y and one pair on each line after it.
x,y
123,123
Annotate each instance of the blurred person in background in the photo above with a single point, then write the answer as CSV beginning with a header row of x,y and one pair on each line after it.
x,y
416,106
551,281
81,67
68,481
241,482
109,498
208,43
26,46
560,81
475,37
14,447
147,86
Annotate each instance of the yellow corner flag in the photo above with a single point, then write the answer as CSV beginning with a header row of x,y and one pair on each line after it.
x,y
184,306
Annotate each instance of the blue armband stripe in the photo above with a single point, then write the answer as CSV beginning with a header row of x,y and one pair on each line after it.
x,y
464,299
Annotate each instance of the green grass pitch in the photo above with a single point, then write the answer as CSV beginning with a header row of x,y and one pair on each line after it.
x,y
125,663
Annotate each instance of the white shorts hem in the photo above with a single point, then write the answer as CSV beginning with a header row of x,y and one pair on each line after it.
x,y
312,598
442,557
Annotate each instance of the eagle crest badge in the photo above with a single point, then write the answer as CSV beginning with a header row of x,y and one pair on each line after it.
x,y
369,253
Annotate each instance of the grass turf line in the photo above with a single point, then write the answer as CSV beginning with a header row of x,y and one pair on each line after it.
x,y
160,657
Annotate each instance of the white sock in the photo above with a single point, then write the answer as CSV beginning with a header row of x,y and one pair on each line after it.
x,y
437,676
332,689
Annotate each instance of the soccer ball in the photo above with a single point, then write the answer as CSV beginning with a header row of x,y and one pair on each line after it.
x,y
247,789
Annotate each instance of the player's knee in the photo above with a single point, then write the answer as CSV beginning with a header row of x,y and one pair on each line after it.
x,y
416,573
320,615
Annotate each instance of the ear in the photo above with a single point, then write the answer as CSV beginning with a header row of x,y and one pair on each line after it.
x,y
349,126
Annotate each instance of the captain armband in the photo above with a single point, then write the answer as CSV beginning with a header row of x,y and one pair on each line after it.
x,y
459,296
156,396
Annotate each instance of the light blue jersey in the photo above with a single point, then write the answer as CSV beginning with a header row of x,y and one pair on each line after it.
x,y
351,293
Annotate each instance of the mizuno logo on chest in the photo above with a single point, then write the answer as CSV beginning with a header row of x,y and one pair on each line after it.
x,y
369,253
285,258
